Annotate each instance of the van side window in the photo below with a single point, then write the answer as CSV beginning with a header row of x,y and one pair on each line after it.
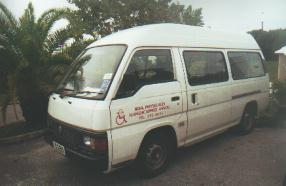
x,y
245,65
205,67
149,66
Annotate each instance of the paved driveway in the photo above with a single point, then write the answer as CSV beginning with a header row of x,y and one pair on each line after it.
x,y
228,159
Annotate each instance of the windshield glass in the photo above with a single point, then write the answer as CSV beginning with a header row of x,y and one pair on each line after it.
x,y
91,74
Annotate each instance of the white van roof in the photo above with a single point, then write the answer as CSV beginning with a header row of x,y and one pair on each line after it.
x,y
167,34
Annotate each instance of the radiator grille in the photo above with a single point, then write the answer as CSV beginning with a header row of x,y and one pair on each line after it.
x,y
63,133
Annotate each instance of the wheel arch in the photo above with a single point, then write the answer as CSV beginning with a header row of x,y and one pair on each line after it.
x,y
253,106
165,130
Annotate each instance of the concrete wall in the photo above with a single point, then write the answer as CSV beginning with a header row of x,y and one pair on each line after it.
x,y
282,67
10,115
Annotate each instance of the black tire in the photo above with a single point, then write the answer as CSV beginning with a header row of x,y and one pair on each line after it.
x,y
247,121
154,155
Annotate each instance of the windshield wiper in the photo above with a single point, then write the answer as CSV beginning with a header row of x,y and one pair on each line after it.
x,y
88,92
62,95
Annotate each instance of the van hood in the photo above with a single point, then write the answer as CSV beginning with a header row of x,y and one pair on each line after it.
x,y
78,112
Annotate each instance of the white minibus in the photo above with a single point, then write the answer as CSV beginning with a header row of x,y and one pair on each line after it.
x,y
139,94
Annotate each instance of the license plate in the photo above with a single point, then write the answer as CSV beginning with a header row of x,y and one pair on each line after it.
x,y
59,148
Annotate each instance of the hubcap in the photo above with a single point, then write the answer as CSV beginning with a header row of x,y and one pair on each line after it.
x,y
155,156
248,121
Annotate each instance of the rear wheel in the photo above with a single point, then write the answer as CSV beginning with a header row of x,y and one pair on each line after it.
x,y
247,121
154,155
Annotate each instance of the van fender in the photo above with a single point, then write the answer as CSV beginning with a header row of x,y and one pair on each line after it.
x,y
154,128
127,140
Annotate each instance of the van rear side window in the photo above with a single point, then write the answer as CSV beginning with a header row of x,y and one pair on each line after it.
x,y
245,65
205,67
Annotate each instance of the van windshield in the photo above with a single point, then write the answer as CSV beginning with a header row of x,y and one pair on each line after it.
x,y
91,74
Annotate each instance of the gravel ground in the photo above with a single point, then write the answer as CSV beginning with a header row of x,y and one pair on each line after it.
x,y
228,159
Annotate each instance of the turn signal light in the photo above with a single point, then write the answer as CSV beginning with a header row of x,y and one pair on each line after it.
x,y
98,144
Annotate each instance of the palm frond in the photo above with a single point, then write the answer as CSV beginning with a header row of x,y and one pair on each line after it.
x,y
12,20
54,13
42,19
76,48
10,56
59,65
54,70
27,20
56,39
48,19
6,28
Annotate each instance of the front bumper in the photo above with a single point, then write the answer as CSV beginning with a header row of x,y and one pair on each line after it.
x,y
71,138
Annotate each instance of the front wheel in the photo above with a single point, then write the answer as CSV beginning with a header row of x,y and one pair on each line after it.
x,y
154,155
247,121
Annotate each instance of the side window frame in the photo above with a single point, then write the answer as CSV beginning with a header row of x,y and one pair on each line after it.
x,y
253,52
129,61
209,51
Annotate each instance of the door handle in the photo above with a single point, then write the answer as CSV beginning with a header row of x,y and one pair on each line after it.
x,y
175,98
194,99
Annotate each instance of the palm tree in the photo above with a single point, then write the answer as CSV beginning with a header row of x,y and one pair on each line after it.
x,y
29,68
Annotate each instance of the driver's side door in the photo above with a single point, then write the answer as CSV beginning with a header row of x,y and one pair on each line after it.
x,y
148,95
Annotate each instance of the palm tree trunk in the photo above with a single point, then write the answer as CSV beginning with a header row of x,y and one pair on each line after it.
x,y
14,105
3,115
34,109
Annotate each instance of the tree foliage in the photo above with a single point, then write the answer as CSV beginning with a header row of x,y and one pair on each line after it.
x,y
29,68
31,62
106,16
270,41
